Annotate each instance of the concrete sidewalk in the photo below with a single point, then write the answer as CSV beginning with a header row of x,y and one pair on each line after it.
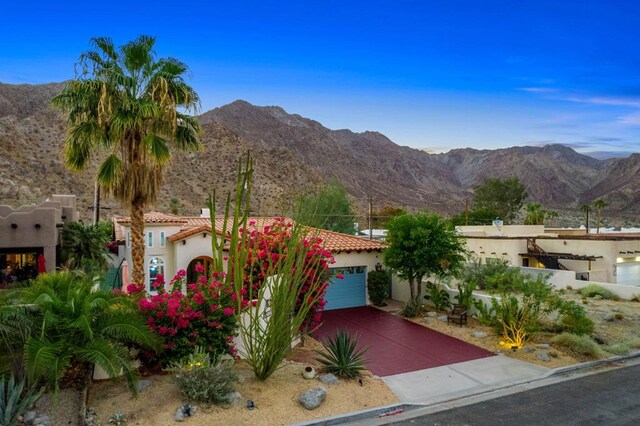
x,y
438,384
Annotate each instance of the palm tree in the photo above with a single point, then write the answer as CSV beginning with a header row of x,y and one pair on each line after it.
x,y
131,107
599,204
174,206
73,325
535,214
85,246
585,209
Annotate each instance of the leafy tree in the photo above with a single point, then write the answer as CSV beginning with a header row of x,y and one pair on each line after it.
x,y
476,216
74,325
599,204
504,196
329,209
422,244
85,246
536,214
385,214
131,107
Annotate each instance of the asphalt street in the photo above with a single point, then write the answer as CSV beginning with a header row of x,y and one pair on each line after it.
x,y
609,398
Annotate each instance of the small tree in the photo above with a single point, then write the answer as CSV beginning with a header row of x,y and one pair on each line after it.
x,y
175,206
536,214
422,244
85,246
329,209
382,217
599,204
504,196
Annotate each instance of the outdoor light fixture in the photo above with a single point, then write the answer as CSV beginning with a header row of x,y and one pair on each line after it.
x,y
204,235
14,225
37,226
378,267
184,242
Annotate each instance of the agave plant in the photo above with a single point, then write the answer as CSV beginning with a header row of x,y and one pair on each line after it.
x,y
14,400
341,357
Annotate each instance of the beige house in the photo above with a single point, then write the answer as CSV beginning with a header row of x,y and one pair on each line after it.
x,y
173,243
30,234
609,258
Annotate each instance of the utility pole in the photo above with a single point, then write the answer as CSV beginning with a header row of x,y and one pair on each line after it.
x,y
96,204
370,217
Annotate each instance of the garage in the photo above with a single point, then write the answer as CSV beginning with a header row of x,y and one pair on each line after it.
x,y
349,292
628,273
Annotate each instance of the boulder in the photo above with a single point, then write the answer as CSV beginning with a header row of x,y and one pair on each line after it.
x,y
329,379
432,314
179,415
528,349
29,417
609,317
143,384
312,398
543,356
234,398
543,345
479,334
443,318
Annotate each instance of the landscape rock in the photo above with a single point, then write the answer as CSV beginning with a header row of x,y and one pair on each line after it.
x,y
234,398
426,320
543,356
443,318
432,314
329,379
597,297
615,309
479,334
543,345
528,349
179,415
312,398
609,317
143,384
42,421
29,417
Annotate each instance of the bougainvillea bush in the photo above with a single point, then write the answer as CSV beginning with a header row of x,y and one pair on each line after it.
x,y
266,252
201,316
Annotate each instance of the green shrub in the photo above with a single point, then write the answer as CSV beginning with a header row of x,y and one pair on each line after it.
x,y
618,349
580,345
203,379
486,315
518,318
378,286
439,297
579,325
618,316
595,290
340,356
15,400
465,294
411,309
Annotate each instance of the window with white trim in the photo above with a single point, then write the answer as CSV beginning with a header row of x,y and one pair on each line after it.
x,y
150,239
162,239
156,267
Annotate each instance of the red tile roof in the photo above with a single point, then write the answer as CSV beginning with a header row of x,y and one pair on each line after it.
x,y
332,241
156,217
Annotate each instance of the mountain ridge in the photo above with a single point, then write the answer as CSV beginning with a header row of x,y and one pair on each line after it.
x,y
294,154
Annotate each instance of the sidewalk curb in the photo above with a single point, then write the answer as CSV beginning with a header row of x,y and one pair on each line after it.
x,y
373,414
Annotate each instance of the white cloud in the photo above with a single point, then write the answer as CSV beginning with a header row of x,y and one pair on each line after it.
x,y
632,119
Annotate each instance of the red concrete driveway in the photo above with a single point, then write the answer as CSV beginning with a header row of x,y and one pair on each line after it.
x,y
395,344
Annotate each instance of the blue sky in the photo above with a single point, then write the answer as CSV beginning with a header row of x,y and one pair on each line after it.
x,y
428,74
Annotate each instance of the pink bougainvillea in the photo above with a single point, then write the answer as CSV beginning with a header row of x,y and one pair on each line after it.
x,y
268,247
203,316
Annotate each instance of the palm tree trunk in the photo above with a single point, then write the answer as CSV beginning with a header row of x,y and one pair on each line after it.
x,y
598,223
137,242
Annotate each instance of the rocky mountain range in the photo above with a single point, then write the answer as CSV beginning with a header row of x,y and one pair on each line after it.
x,y
295,154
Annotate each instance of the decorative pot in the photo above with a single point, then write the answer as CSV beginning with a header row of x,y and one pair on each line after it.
x,y
309,372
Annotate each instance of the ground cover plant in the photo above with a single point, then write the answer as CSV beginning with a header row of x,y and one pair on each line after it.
x,y
593,290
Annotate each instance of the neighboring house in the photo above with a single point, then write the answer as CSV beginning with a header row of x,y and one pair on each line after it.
x,y
30,237
173,243
609,258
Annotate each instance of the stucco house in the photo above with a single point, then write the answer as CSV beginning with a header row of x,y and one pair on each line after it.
x,y
174,242
30,237
609,258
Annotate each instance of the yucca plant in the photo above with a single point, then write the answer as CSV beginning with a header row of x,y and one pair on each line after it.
x,y
15,400
341,357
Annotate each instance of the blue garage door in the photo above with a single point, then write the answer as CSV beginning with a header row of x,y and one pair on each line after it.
x,y
348,292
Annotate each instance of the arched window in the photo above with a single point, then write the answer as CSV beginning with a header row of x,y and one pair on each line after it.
x,y
156,267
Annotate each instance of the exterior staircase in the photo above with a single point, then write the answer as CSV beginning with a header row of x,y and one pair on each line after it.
x,y
549,262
